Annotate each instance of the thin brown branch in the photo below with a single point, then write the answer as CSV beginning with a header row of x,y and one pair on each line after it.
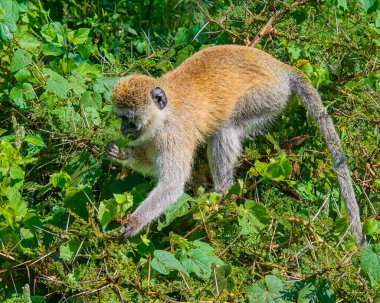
x,y
268,28
233,35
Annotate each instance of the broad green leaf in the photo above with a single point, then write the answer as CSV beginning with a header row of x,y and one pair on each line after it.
x,y
164,262
24,75
236,189
178,209
315,291
182,37
29,42
369,5
10,14
269,290
84,169
56,83
342,4
222,278
92,114
371,227
17,97
109,209
85,50
17,203
52,50
294,53
183,54
200,262
77,199
67,251
253,217
37,141
79,36
5,33
16,173
61,179
20,60
370,260
90,99
277,170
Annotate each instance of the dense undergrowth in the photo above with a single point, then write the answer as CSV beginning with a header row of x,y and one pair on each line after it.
x,y
280,235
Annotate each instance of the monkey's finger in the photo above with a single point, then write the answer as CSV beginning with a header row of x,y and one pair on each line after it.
x,y
129,229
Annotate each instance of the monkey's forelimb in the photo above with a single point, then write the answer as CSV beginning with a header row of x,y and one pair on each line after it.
x,y
173,171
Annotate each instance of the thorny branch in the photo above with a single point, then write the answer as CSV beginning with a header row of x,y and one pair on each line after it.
x,y
267,30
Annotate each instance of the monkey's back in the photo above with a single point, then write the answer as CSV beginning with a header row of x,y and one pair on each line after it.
x,y
206,88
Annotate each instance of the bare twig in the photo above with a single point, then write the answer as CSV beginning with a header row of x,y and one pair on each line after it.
x,y
233,35
268,27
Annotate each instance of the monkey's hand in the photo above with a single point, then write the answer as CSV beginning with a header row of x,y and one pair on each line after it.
x,y
114,152
130,228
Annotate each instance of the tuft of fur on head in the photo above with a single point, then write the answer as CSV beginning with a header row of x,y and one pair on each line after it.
x,y
133,92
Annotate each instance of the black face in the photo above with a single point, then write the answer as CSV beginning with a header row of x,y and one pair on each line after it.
x,y
129,128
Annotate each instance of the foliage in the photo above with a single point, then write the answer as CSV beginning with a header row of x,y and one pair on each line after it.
x,y
280,233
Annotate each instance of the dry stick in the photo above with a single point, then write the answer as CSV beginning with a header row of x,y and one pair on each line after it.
x,y
268,28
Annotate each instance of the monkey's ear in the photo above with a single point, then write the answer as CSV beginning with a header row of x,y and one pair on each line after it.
x,y
159,97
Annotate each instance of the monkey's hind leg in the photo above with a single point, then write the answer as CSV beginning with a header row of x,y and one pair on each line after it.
x,y
223,151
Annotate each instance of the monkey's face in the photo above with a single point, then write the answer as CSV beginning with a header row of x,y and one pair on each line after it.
x,y
140,104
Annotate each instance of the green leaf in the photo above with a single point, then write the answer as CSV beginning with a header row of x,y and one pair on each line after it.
x,y
5,33
371,227
20,60
253,217
164,262
342,4
10,14
370,260
56,83
315,291
16,96
77,198
86,50
109,209
37,141
29,42
79,36
61,179
52,50
294,53
90,99
369,5
200,262
178,209
16,173
184,53
67,251
269,290
236,189
222,278
277,170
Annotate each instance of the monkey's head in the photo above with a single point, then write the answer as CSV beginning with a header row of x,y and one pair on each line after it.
x,y
139,102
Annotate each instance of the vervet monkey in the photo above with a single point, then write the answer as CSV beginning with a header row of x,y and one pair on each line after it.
x,y
217,95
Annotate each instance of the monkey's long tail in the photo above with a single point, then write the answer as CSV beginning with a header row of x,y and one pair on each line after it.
x,y
314,105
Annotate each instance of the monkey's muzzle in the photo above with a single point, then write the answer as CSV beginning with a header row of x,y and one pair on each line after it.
x,y
130,129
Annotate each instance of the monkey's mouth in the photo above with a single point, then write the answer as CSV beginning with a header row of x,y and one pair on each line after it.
x,y
136,133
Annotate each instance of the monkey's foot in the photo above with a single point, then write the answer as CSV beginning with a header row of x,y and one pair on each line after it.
x,y
130,228
113,151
